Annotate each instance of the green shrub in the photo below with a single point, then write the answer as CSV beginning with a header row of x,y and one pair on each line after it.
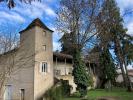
x,y
55,93
58,91
66,88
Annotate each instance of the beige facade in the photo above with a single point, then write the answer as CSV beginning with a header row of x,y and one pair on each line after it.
x,y
63,70
32,72
119,78
34,65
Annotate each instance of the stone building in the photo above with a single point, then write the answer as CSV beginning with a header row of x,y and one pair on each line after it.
x,y
34,65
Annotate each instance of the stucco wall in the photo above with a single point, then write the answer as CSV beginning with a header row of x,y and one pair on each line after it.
x,y
65,73
65,68
120,78
43,82
22,74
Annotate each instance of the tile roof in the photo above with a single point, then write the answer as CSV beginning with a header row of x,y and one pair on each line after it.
x,y
36,22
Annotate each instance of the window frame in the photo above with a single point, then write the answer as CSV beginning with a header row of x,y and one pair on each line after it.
x,y
8,90
44,33
22,94
44,47
44,69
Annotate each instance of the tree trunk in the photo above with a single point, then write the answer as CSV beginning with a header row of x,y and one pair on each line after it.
x,y
129,84
121,59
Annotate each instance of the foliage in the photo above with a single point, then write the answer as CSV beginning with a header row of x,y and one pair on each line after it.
x,y
66,44
127,48
80,75
57,92
107,66
113,33
76,20
91,81
66,88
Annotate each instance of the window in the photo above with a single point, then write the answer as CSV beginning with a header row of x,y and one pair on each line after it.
x,y
44,33
44,67
8,92
44,47
22,94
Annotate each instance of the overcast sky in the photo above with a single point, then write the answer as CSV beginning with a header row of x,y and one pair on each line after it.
x,y
19,17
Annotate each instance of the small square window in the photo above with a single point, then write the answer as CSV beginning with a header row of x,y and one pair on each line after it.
x,y
44,33
44,47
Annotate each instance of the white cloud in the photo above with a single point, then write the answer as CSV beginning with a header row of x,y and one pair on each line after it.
x,y
35,9
128,19
50,12
23,11
12,16
130,28
125,4
44,7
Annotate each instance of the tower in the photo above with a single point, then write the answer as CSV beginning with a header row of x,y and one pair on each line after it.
x,y
36,40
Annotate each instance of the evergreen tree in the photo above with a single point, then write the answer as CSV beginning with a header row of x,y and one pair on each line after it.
x,y
66,44
81,78
113,32
107,67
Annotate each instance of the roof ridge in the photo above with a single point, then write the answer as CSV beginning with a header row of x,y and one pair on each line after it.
x,y
36,22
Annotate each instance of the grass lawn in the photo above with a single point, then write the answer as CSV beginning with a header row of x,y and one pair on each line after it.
x,y
118,93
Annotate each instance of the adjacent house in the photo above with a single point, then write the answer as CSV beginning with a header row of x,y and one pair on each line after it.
x,y
34,65
119,78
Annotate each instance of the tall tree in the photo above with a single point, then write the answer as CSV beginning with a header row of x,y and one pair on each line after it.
x,y
107,67
112,31
66,41
76,19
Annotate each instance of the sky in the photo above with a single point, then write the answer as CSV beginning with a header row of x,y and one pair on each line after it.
x,y
19,17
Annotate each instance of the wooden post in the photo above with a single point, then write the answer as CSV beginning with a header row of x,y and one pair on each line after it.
x,y
56,61
65,66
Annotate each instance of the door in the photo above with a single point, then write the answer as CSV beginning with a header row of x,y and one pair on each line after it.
x,y
8,92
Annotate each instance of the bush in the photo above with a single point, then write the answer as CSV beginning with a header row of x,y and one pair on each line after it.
x,y
58,91
117,84
66,88
54,93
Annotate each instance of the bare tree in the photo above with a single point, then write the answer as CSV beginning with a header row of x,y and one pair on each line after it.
x,y
77,17
76,20
13,58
